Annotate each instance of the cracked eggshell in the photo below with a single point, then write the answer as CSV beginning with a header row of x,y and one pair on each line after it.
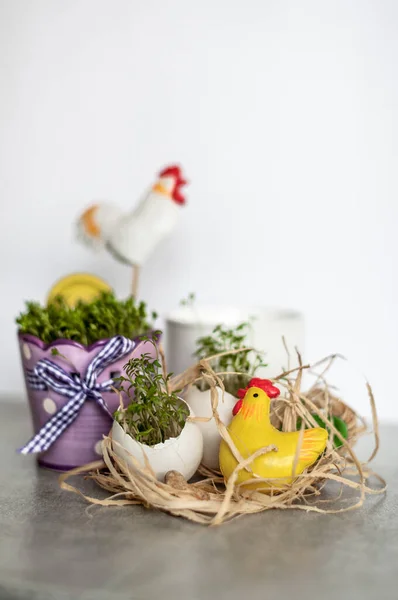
x,y
200,403
182,454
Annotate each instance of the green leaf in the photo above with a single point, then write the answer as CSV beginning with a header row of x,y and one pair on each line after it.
x,y
338,423
223,340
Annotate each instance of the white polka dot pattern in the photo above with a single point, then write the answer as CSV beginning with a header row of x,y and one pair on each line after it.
x,y
98,448
49,406
26,351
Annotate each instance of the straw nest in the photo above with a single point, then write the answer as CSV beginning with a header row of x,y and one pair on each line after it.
x,y
336,483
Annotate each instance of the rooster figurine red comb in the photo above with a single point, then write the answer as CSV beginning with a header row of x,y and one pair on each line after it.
x,y
174,171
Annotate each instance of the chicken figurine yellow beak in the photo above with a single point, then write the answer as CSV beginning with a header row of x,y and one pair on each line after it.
x,y
251,430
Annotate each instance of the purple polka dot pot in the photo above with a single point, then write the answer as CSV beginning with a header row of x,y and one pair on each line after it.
x,y
80,443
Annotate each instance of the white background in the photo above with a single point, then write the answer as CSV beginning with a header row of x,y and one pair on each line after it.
x,y
284,116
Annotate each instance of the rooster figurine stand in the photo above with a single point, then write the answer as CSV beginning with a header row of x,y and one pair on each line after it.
x,y
132,237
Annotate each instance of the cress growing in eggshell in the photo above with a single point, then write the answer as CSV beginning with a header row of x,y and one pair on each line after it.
x,y
154,414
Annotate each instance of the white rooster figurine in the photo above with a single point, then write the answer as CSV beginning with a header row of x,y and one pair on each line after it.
x,y
132,237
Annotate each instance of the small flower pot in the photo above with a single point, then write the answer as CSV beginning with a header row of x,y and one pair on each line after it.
x,y
200,403
80,443
182,454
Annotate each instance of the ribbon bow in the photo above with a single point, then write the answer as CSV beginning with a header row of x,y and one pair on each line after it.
x,y
48,374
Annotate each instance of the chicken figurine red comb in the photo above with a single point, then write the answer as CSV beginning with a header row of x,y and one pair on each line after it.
x,y
264,384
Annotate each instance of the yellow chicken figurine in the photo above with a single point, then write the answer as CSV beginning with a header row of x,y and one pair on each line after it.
x,y
251,430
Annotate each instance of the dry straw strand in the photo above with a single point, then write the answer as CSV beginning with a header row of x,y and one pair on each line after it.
x,y
209,501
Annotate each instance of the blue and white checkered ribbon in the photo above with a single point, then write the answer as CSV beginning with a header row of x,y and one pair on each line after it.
x,y
48,374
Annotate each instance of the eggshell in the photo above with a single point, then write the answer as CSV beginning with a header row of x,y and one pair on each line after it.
x,y
182,454
200,403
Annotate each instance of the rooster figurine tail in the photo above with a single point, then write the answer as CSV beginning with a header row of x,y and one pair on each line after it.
x,y
95,225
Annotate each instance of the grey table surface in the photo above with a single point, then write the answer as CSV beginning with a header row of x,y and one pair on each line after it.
x,y
52,547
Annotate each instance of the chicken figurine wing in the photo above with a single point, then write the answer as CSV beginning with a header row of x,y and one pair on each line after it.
x,y
251,430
